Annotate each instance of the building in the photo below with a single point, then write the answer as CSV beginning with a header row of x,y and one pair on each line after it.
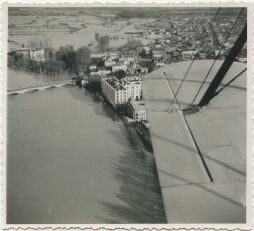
x,y
118,67
111,56
37,54
137,110
109,63
158,53
97,55
127,59
92,67
242,59
23,52
119,91
103,71
188,55
100,71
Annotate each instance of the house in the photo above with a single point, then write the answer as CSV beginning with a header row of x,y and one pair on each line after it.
x,y
118,67
159,64
242,59
103,71
127,59
97,55
92,67
37,54
170,50
188,55
111,56
158,53
109,63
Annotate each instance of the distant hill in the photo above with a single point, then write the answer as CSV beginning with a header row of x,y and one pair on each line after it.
x,y
121,12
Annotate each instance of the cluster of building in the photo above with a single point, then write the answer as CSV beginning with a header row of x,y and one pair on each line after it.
x,y
112,62
183,38
34,54
126,93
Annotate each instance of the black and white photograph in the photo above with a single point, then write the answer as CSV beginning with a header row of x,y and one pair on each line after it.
x,y
126,114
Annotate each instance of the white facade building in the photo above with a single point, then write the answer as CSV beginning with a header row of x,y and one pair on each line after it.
x,y
119,92
188,55
109,63
97,55
119,67
37,54
137,110
127,59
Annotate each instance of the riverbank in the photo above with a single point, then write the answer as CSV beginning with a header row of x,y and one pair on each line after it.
x,y
144,133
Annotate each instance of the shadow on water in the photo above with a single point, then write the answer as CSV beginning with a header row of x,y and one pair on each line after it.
x,y
100,108
140,191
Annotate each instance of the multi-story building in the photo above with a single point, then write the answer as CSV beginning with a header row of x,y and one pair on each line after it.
x,y
137,110
37,54
119,91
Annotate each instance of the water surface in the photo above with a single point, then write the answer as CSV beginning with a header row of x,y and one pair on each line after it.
x,y
72,160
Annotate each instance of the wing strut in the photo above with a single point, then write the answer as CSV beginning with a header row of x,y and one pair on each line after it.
x,y
236,49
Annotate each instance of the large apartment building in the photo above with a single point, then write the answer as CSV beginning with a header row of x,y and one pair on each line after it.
x,y
119,91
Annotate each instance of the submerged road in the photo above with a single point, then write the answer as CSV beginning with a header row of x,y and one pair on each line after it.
x,y
201,157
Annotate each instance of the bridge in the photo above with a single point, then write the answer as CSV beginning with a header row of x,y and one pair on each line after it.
x,y
41,87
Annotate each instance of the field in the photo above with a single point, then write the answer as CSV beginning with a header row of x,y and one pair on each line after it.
x,y
68,29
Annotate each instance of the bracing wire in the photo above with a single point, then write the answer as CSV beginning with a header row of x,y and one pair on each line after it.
x,y
228,83
195,56
217,56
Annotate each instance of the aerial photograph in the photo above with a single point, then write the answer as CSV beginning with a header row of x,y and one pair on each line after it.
x,y
126,115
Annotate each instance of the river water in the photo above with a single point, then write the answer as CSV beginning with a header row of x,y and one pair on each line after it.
x,y
70,159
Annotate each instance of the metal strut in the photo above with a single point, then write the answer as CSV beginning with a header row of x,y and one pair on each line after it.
x,y
236,49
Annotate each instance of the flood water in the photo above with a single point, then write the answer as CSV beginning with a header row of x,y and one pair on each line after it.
x,y
70,159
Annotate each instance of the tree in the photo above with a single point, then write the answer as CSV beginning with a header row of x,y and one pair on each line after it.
x,y
143,54
97,37
82,57
133,44
99,62
119,74
68,55
104,42
52,67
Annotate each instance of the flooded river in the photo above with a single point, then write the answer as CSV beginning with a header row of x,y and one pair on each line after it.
x,y
72,160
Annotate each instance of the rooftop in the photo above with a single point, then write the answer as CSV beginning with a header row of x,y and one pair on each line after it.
x,y
120,83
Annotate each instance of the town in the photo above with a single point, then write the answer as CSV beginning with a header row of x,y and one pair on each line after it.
x,y
119,71
127,115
